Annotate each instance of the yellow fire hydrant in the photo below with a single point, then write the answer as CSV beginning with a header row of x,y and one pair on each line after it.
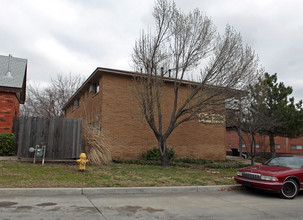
x,y
82,162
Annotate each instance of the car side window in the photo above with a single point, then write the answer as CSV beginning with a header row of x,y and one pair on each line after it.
x,y
299,161
286,161
273,162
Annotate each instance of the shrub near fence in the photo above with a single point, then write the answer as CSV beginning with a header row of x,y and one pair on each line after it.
x,y
7,144
62,136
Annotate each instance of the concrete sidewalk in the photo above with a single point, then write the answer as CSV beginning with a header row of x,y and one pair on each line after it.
x,y
112,190
219,205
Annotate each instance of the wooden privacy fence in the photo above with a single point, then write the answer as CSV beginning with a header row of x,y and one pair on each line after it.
x,y
62,137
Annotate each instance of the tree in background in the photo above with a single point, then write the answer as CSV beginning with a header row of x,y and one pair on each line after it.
x,y
254,118
268,110
282,110
180,44
234,116
49,101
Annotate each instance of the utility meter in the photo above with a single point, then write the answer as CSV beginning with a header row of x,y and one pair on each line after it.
x,y
38,152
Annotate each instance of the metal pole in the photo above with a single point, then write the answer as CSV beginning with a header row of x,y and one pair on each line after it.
x,y
44,149
240,132
36,147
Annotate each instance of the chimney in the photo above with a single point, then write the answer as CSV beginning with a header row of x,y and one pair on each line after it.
x,y
8,73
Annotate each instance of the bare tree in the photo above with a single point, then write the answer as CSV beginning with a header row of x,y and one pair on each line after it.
x,y
234,116
254,117
48,101
180,44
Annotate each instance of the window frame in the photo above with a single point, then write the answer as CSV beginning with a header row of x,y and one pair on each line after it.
x,y
96,87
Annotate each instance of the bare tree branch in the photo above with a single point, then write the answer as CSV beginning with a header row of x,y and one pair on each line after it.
x,y
168,56
49,101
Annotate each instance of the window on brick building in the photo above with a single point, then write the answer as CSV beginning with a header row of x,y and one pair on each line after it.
x,y
278,146
95,125
96,88
257,146
296,147
243,146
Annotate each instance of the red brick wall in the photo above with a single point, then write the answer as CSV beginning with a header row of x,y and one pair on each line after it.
x,y
130,135
232,141
285,144
9,108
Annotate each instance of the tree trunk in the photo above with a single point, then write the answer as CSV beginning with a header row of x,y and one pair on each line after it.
x,y
240,141
164,153
252,150
272,145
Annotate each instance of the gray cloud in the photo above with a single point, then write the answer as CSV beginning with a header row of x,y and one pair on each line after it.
x,y
63,36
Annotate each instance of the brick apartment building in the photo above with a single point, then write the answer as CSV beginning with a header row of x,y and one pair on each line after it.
x,y
12,89
107,101
283,144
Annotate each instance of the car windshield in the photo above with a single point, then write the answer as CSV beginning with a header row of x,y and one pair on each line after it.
x,y
286,161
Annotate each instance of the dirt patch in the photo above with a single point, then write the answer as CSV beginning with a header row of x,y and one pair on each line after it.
x,y
23,208
7,204
151,210
47,204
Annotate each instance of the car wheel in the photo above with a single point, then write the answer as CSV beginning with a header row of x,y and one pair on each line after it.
x,y
289,189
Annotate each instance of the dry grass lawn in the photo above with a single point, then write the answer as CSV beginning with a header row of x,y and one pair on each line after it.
x,y
17,174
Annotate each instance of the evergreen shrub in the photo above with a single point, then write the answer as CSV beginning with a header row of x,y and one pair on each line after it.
x,y
154,154
7,144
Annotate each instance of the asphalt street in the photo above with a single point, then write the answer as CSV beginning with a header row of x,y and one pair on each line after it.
x,y
175,206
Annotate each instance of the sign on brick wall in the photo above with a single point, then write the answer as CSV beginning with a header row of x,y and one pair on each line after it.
x,y
211,118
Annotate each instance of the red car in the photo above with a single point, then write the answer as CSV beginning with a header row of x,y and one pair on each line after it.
x,y
283,174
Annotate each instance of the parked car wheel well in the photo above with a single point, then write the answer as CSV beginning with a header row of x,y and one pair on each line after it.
x,y
295,179
290,189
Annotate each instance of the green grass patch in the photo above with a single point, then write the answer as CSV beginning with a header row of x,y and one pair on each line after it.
x,y
16,174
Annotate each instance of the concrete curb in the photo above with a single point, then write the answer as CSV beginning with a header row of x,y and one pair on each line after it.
x,y
39,191
112,191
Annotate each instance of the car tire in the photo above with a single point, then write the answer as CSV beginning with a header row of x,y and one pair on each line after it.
x,y
290,189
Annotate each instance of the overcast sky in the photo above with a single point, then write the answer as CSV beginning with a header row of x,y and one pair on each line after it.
x,y
77,36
